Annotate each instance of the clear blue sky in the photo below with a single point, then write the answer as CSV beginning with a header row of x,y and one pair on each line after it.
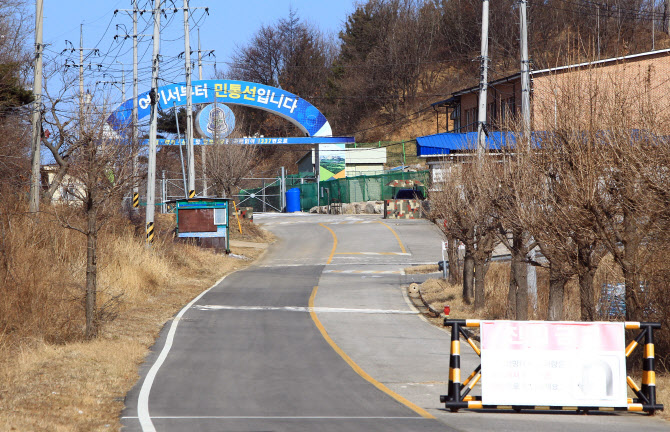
x,y
230,23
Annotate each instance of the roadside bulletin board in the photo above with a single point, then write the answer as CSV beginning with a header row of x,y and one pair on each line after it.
x,y
553,363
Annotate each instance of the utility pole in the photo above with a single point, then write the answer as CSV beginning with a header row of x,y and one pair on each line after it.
x,y
483,83
36,162
81,67
199,58
525,72
122,82
203,146
151,176
136,189
526,139
135,145
181,153
190,156
81,70
598,27
653,27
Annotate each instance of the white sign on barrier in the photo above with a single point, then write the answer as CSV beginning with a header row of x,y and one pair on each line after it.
x,y
553,363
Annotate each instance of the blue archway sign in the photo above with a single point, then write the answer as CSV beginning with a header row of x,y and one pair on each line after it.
x,y
277,101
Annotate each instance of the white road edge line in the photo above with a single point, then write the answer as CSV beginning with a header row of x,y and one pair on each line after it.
x,y
305,309
279,418
143,399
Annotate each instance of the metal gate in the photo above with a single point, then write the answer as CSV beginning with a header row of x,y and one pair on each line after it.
x,y
263,194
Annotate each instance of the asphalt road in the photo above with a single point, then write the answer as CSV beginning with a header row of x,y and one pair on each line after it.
x,y
251,355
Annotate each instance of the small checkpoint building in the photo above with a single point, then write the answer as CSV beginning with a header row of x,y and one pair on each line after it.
x,y
204,222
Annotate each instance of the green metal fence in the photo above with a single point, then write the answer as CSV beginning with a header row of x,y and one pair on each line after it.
x,y
352,189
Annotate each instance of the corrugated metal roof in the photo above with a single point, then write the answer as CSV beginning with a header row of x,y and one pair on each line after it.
x,y
445,143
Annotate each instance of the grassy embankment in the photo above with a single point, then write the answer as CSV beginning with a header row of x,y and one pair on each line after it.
x,y
53,379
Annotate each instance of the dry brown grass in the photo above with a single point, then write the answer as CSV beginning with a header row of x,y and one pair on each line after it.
x,y
663,394
250,231
52,379
422,269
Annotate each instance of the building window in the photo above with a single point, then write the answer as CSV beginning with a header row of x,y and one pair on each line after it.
x,y
492,115
456,117
471,118
221,216
507,111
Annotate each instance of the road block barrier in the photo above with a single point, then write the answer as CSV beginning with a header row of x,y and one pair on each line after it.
x,y
402,209
556,365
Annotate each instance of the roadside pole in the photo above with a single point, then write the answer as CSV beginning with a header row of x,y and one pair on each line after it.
x,y
136,151
444,263
190,156
34,203
483,82
151,174
525,116
203,147
282,189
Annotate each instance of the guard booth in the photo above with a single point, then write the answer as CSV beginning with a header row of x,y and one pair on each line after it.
x,y
407,201
204,222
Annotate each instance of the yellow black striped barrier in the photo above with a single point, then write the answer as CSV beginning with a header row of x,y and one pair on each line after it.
x,y
474,402
136,200
458,393
150,233
191,194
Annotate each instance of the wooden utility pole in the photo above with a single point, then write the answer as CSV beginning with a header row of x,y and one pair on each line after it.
x,y
34,203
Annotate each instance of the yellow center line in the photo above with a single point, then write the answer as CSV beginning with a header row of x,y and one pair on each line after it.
x,y
402,248
417,409
368,253
332,252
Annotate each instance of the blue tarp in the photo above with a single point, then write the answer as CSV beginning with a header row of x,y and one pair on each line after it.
x,y
445,143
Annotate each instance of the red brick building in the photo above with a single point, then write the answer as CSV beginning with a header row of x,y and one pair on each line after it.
x,y
642,78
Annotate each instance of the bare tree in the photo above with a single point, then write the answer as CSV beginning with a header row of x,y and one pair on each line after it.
x,y
568,173
60,121
512,200
228,164
261,60
468,210
601,168
98,173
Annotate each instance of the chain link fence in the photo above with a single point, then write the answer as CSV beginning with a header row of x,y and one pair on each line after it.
x,y
268,194
352,189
